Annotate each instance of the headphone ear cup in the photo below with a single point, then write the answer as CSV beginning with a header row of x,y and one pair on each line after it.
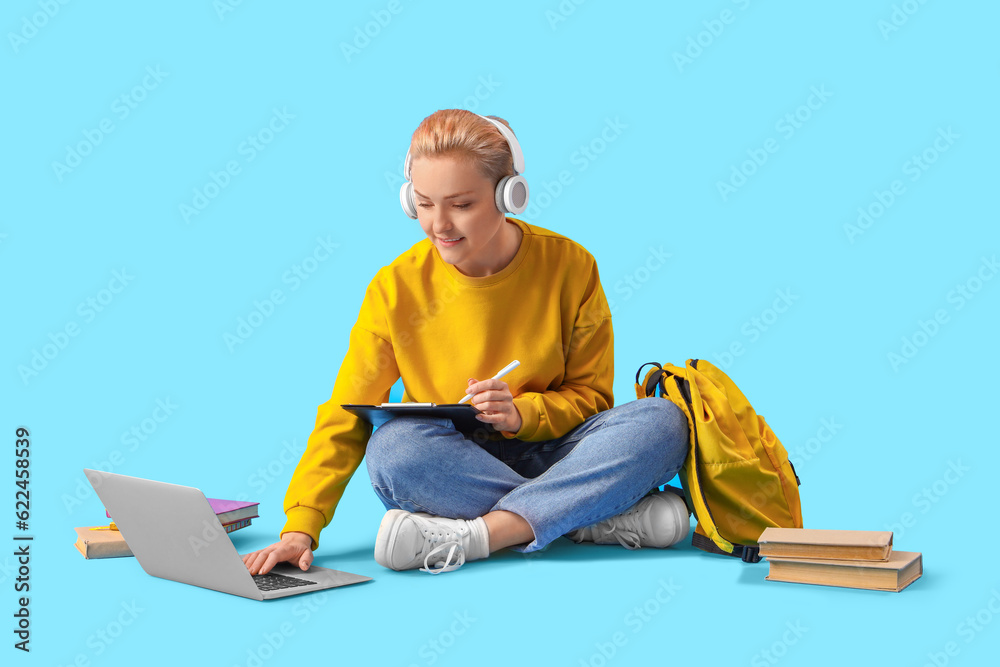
x,y
406,200
512,194
498,195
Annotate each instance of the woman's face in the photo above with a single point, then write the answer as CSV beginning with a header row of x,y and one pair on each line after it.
x,y
457,211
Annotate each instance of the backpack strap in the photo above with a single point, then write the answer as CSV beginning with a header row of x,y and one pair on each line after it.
x,y
679,493
686,401
648,388
745,552
648,363
679,392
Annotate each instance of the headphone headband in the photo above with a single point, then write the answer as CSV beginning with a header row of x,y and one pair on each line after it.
x,y
515,148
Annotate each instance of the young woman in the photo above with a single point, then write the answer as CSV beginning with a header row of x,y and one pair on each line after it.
x,y
481,290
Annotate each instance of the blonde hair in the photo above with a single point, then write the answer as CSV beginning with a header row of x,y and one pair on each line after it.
x,y
461,133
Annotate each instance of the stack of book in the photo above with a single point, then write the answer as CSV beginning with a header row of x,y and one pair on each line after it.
x,y
107,542
848,558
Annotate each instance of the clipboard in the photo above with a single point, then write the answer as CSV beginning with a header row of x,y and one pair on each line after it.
x,y
462,415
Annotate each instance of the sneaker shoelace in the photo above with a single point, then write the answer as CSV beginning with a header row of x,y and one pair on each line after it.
x,y
444,538
626,528
447,565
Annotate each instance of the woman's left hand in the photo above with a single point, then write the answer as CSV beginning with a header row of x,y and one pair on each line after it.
x,y
494,399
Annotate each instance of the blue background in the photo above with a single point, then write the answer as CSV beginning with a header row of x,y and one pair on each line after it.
x,y
873,435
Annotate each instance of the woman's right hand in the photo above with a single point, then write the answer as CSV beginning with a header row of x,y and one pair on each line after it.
x,y
294,547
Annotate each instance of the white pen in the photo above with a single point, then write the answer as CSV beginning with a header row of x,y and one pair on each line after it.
x,y
507,369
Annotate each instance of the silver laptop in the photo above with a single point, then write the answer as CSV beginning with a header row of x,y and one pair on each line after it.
x,y
175,535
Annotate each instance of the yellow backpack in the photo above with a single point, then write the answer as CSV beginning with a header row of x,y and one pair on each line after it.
x,y
737,477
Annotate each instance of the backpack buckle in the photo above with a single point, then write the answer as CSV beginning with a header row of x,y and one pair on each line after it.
x,y
750,554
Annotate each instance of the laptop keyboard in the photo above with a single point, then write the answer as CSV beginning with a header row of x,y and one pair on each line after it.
x,y
275,582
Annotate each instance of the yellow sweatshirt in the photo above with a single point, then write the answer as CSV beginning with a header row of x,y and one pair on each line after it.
x,y
425,322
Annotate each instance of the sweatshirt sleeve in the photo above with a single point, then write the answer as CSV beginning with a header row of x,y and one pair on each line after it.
x,y
338,441
589,378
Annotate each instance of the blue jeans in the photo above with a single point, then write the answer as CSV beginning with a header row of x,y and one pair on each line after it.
x,y
597,470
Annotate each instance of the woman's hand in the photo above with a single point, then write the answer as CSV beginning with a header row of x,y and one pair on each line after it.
x,y
294,547
494,399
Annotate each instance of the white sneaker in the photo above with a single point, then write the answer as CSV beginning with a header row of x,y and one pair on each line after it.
x,y
407,540
658,520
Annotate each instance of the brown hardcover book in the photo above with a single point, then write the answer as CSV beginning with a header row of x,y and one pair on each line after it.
x,y
110,543
895,574
801,543
101,543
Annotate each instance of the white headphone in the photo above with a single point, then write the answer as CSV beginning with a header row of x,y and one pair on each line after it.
x,y
511,195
